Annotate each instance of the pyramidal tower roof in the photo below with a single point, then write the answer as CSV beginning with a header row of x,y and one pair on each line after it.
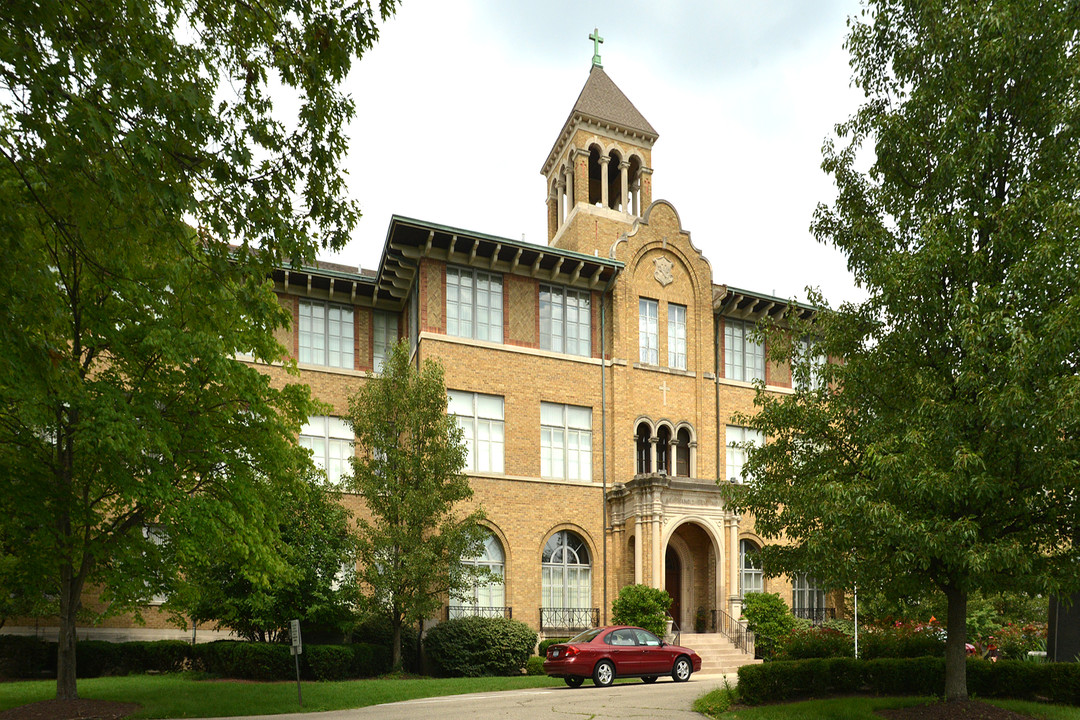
x,y
601,102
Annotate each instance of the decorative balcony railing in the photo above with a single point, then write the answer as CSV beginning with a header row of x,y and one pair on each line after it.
x,y
816,615
567,619
457,611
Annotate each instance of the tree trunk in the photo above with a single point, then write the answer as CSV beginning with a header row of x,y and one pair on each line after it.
x,y
65,646
395,645
955,646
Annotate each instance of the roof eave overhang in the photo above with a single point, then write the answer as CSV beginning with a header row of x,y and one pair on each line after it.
x,y
409,240
577,118
754,307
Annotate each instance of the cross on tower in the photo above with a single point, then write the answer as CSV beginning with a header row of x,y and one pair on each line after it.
x,y
596,40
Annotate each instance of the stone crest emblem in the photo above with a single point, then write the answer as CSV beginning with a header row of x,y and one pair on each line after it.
x,y
662,271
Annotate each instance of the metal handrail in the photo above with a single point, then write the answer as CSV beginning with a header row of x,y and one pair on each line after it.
x,y
677,636
816,615
569,618
457,611
737,632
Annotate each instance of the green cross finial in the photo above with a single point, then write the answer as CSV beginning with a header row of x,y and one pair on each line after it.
x,y
596,40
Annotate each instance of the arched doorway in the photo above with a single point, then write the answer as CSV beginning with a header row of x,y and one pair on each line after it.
x,y
673,583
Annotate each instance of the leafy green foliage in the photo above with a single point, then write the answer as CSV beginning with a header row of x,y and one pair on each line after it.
x,y
541,650
535,666
316,585
769,618
147,185
815,643
409,475
944,448
716,702
643,606
475,646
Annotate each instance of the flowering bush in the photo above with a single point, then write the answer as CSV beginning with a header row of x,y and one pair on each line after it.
x,y
903,640
1012,641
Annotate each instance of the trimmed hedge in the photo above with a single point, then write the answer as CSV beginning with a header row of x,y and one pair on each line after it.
x,y
30,657
478,646
789,680
535,666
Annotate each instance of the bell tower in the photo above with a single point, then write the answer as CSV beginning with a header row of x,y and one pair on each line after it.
x,y
599,172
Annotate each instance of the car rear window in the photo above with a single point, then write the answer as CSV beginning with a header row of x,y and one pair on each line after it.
x,y
586,636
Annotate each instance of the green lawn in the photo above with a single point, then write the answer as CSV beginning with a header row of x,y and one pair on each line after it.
x,y
860,708
178,696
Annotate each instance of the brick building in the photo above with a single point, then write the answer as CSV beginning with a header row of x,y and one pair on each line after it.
x,y
595,378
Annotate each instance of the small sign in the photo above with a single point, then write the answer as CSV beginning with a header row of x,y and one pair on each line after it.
x,y
294,635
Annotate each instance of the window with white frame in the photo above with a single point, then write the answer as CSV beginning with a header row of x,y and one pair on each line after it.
x,y
737,440
566,574
744,359
814,360
330,440
481,419
806,595
156,535
648,331
565,320
565,441
474,304
750,564
326,334
676,336
386,334
486,593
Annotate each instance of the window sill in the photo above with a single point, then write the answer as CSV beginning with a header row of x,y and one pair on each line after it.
x,y
662,369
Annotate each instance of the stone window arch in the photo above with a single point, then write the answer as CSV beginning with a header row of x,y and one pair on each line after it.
x,y
663,450
684,446
566,572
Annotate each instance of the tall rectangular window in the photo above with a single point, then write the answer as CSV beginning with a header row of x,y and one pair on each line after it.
x,y
744,359
330,440
648,331
386,332
565,442
481,419
807,599
565,320
676,336
736,456
326,334
474,304
814,361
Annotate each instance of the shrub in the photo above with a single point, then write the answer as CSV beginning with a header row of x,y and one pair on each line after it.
x,y
902,641
1016,641
377,631
642,606
815,643
477,646
370,660
545,644
94,658
22,656
328,662
247,660
769,618
535,666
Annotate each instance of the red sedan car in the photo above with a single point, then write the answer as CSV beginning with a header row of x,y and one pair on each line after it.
x,y
609,652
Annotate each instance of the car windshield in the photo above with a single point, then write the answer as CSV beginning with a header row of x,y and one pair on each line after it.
x,y
586,636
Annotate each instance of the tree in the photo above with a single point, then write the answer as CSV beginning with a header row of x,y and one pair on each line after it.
x,y
413,537
943,447
124,125
316,585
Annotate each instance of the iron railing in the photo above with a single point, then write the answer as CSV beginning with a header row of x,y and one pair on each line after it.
x,y
569,618
457,611
816,615
737,632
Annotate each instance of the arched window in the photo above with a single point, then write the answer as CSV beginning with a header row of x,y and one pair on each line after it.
x,y
682,453
750,564
644,449
485,597
566,573
663,450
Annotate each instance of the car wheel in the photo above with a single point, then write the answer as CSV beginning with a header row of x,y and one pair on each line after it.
x,y
603,674
682,669
648,679
574,681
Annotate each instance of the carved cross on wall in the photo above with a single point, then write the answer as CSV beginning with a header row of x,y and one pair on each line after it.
x,y
664,388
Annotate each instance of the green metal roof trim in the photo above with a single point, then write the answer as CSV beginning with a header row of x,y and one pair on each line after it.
x,y
772,298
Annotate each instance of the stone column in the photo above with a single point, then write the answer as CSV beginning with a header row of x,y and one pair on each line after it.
x,y
645,189
652,453
560,198
569,179
733,573
623,168
581,176
693,458
638,540
604,160
657,571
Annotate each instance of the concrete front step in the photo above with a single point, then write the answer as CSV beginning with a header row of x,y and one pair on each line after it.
x,y
718,654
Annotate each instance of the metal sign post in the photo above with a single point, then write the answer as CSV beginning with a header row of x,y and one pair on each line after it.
x,y
296,647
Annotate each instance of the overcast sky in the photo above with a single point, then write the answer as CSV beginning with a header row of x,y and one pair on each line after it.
x,y
459,103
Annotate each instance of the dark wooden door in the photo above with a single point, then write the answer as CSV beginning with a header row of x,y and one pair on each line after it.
x,y
672,583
